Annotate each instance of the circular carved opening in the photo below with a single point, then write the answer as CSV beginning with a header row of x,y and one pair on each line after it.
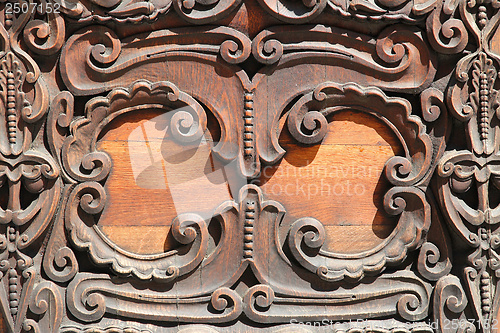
x,y
154,179
339,181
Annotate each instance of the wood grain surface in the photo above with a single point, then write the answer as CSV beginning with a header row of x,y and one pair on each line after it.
x,y
154,179
339,181
348,148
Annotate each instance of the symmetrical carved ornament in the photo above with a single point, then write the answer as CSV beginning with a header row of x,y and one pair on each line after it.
x,y
428,71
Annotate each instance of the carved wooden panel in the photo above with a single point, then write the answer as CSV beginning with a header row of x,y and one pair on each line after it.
x,y
249,165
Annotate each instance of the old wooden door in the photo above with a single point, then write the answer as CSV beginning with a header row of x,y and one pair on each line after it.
x,y
249,165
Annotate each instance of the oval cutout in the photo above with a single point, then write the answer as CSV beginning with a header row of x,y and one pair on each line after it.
x,y
340,182
154,179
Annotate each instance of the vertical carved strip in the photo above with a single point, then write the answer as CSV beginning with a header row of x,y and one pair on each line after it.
x,y
11,108
59,261
248,118
472,173
8,19
249,224
485,293
13,292
484,95
14,103
482,16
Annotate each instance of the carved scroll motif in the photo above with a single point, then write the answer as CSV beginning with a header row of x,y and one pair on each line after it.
x,y
276,301
446,33
207,11
432,264
373,10
461,172
126,11
407,11
450,302
109,61
263,270
137,11
29,175
110,329
397,53
88,298
47,301
330,97
473,172
407,296
294,11
307,122
204,11
398,60
187,123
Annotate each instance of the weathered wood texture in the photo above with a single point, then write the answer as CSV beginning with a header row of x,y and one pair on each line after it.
x,y
249,165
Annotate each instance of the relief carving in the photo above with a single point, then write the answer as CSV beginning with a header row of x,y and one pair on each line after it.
x,y
70,68
88,198
29,176
472,98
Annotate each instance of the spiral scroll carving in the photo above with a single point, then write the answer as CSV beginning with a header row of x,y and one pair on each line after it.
x,y
190,229
430,263
449,35
204,11
68,77
294,11
307,122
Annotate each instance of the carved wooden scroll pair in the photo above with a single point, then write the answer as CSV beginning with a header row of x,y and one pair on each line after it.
x,y
427,70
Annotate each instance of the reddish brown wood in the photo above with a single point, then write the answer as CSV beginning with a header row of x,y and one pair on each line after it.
x,y
249,165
